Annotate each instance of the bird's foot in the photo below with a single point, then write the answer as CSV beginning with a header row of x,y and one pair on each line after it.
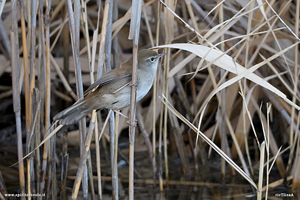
x,y
134,124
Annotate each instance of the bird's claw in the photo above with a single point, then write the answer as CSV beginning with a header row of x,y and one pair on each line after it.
x,y
134,124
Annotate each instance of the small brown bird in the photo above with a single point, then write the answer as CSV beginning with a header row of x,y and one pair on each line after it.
x,y
113,91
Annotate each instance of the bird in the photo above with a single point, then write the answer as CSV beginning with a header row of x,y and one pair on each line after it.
x,y
113,91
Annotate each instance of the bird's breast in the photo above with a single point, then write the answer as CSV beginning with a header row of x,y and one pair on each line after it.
x,y
144,84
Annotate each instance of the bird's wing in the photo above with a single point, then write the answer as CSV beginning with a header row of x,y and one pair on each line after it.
x,y
109,77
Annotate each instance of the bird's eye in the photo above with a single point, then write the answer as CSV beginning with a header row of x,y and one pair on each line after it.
x,y
152,59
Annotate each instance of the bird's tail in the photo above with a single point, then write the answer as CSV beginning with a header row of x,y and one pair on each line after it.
x,y
72,114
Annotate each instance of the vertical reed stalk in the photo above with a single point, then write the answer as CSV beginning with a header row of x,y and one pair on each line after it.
x,y
115,43
52,162
261,170
98,161
160,169
74,22
296,179
165,116
26,70
169,35
249,26
42,86
268,148
47,92
113,123
32,38
134,35
115,156
222,104
131,126
84,156
92,69
28,95
64,167
16,69
86,34
155,86
82,124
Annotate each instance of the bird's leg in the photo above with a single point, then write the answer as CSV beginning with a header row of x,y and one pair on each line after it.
x,y
131,124
117,111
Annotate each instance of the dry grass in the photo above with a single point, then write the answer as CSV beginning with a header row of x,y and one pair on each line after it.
x,y
229,82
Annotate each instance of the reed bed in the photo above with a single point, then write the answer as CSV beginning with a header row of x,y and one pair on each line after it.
x,y
223,110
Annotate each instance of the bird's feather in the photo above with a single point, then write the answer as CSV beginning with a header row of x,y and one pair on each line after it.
x,y
110,77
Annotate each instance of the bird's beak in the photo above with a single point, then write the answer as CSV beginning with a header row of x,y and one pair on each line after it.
x,y
161,54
